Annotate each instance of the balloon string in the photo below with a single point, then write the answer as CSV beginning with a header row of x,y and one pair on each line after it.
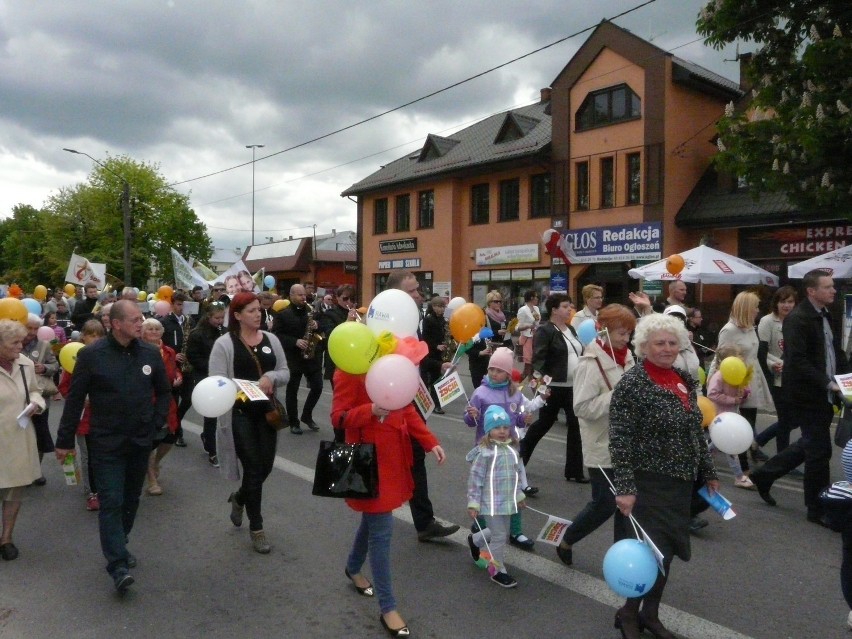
x,y
630,516
492,561
706,348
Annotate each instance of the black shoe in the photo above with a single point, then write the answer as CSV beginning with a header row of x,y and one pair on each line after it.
x,y
696,524
435,530
8,551
762,489
654,626
296,430
819,519
366,591
579,479
474,549
504,579
565,555
311,424
213,460
798,474
41,481
131,560
180,444
395,632
521,541
439,411
122,581
530,491
630,626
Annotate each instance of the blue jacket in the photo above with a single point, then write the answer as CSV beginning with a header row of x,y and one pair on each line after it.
x,y
485,396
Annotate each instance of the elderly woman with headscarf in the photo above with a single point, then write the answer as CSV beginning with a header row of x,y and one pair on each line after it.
x,y
19,459
658,451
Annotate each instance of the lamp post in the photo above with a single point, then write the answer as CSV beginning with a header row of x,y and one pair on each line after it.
x,y
253,148
125,211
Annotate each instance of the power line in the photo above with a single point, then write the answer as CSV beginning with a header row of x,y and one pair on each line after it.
x,y
420,99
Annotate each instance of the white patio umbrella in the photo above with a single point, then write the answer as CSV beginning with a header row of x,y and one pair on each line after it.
x,y
708,266
838,262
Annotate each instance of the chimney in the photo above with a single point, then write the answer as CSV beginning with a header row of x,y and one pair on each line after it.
x,y
545,94
333,232
745,63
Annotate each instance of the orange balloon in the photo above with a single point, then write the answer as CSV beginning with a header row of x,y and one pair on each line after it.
x,y
466,322
708,411
675,264
13,309
70,290
165,292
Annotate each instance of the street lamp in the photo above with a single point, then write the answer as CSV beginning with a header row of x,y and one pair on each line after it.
x,y
125,211
253,148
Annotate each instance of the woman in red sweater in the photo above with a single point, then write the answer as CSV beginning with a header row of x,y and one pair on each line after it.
x,y
352,410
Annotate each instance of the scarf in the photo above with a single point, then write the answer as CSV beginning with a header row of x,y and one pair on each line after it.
x,y
493,384
497,316
619,353
669,379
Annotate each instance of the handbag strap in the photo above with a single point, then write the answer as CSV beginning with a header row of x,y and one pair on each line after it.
x,y
603,374
26,388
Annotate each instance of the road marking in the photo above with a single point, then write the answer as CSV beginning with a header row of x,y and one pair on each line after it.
x,y
677,621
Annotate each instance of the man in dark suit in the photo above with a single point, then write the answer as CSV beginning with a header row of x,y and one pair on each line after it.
x,y
812,356
176,329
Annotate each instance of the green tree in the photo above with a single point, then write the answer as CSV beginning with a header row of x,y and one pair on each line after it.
x,y
795,135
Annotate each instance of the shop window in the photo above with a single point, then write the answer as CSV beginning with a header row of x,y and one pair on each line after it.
x,y
540,195
380,216
510,200
582,186
634,178
403,213
426,209
607,183
608,106
479,202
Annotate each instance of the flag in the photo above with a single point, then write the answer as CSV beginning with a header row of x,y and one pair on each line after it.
x,y
257,278
205,271
185,276
81,271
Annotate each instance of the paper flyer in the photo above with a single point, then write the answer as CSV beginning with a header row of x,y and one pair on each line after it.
x,y
449,388
845,383
251,389
423,401
553,530
24,416
718,502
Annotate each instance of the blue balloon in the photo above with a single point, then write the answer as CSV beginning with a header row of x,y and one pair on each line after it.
x,y
587,331
269,281
33,305
630,568
486,333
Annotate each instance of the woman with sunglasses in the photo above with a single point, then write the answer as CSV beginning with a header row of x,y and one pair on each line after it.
x,y
479,355
342,311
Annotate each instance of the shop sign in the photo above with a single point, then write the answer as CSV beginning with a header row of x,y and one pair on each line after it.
x,y
507,254
793,241
620,243
558,283
404,245
410,262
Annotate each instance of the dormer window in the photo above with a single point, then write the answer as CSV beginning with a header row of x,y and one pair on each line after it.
x,y
608,106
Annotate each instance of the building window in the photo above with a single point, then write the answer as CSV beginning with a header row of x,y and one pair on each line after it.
x,y
608,106
607,183
426,209
634,178
540,195
582,186
510,200
403,213
380,217
479,204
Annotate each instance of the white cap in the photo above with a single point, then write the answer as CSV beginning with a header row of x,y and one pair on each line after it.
x,y
675,309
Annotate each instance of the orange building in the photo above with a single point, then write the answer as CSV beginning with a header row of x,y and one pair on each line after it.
x,y
608,156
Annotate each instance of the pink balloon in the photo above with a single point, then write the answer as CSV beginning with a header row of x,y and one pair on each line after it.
x,y
392,381
162,308
45,334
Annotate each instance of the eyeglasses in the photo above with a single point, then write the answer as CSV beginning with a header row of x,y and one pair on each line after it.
x,y
217,304
496,301
344,298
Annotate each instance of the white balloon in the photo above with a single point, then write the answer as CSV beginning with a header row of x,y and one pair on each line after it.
x,y
731,433
452,305
393,310
214,396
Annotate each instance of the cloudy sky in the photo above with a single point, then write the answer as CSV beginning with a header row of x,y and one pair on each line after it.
x,y
188,84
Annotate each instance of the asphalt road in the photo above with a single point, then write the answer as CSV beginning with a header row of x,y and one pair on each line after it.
x,y
767,574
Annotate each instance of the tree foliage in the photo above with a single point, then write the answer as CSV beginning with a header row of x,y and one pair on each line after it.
x,y
35,245
795,135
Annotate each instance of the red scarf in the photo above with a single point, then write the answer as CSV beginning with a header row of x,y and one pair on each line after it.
x,y
619,354
669,379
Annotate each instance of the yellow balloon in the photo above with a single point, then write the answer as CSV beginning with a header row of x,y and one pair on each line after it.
x,y
733,370
68,355
40,293
280,305
142,296
353,348
70,290
14,309
702,376
708,411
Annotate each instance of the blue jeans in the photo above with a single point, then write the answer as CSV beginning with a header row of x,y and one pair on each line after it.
x,y
373,537
120,476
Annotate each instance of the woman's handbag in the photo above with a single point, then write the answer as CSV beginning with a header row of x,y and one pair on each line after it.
x,y
844,428
346,470
46,385
275,415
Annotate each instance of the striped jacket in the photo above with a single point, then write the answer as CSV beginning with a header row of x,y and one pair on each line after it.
x,y
496,479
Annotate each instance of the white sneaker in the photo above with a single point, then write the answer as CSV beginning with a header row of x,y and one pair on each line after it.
x,y
745,483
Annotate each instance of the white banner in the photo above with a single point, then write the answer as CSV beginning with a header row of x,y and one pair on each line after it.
x,y
186,277
81,271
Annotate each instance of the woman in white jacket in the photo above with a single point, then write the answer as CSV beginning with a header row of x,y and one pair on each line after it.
x,y
600,368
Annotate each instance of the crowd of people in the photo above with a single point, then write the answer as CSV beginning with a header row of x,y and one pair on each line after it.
x,y
132,386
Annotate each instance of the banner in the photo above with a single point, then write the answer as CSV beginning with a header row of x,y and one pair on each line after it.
x,y
185,276
237,279
204,271
81,271
449,388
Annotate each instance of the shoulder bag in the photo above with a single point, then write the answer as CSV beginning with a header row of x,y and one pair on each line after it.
x,y
275,414
346,470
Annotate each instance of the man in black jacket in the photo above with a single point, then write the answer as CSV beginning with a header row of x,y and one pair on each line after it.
x,y
291,326
176,329
812,356
125,381
84,309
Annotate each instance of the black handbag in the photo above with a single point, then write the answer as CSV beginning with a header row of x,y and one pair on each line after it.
x,y
346,470
844,428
